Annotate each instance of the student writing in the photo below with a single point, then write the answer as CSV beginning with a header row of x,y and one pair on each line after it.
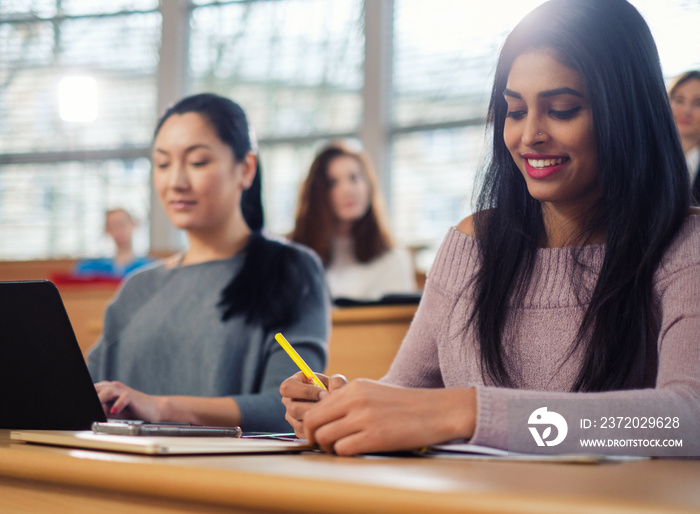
x,y
579,275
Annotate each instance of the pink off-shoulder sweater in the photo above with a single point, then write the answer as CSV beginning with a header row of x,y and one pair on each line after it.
x,y
440,351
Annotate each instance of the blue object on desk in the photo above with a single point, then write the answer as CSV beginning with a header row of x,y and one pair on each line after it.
x,y
106,267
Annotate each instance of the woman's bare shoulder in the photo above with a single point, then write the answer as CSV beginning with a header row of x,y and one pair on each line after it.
x,y
466,226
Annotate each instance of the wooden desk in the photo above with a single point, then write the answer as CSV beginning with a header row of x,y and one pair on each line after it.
x,y
364,340
85,305
38,479
34,269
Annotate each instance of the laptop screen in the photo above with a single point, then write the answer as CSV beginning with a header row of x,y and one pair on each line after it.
x,y
44,381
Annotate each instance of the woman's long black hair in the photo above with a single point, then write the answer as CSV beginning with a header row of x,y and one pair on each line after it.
x,y
642,176
272,278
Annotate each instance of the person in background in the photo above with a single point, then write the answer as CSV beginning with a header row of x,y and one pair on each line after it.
x,y
119,225
685,104
192,339
340,216
577,279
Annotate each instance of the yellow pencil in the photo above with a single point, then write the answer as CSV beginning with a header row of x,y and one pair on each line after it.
x,y
298,360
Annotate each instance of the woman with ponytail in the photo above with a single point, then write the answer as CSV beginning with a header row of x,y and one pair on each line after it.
x,y
191,339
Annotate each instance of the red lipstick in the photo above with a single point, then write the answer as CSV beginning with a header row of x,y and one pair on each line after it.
x,y
546,171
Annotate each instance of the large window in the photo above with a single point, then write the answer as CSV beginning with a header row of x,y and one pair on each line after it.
x,y
77,106
444,53
295,66
52,209
82,81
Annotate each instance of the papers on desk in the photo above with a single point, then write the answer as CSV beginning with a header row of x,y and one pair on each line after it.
x,y
476,452
158,445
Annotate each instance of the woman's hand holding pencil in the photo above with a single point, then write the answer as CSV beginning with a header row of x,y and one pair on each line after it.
x,y
308,373
301,390
299,395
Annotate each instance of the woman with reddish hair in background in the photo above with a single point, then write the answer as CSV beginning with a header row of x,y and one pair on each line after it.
x,y
341,216
685,104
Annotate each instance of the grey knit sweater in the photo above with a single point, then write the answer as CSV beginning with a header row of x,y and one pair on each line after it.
x,y
439,351
163,335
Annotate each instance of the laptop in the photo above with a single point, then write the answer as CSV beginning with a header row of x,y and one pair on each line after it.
x,y
44,381
48,397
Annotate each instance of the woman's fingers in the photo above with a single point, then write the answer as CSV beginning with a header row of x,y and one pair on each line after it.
x,y
367,416
119,400
336,382
297,425
298,397
356,443
297,409
115,397
121,403
108,393
331,411
298,387
330,435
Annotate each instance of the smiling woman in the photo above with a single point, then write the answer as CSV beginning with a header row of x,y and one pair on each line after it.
x,y
578,277
549,133
192,338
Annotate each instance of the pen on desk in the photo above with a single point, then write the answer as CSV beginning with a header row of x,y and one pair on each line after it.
x,y
298,360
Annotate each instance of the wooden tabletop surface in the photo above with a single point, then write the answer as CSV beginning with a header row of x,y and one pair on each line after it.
x,y
314,482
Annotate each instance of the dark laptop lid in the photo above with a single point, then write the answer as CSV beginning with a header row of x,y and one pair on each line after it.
x,y
44,381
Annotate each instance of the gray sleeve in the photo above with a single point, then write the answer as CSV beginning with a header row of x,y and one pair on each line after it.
x,y
98,358
263,411
129,298
97,361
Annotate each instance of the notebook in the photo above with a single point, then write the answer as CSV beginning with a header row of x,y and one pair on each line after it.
x,y
44,381
159,445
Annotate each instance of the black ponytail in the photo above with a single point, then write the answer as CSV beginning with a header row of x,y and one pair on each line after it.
x,y
251,202
273,276
269,285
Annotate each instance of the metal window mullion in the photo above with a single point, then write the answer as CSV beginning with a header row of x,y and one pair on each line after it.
x,y
376,116
171,86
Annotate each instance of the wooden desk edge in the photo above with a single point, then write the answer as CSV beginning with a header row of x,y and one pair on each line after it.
x,y
210,486
233,488
374,314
